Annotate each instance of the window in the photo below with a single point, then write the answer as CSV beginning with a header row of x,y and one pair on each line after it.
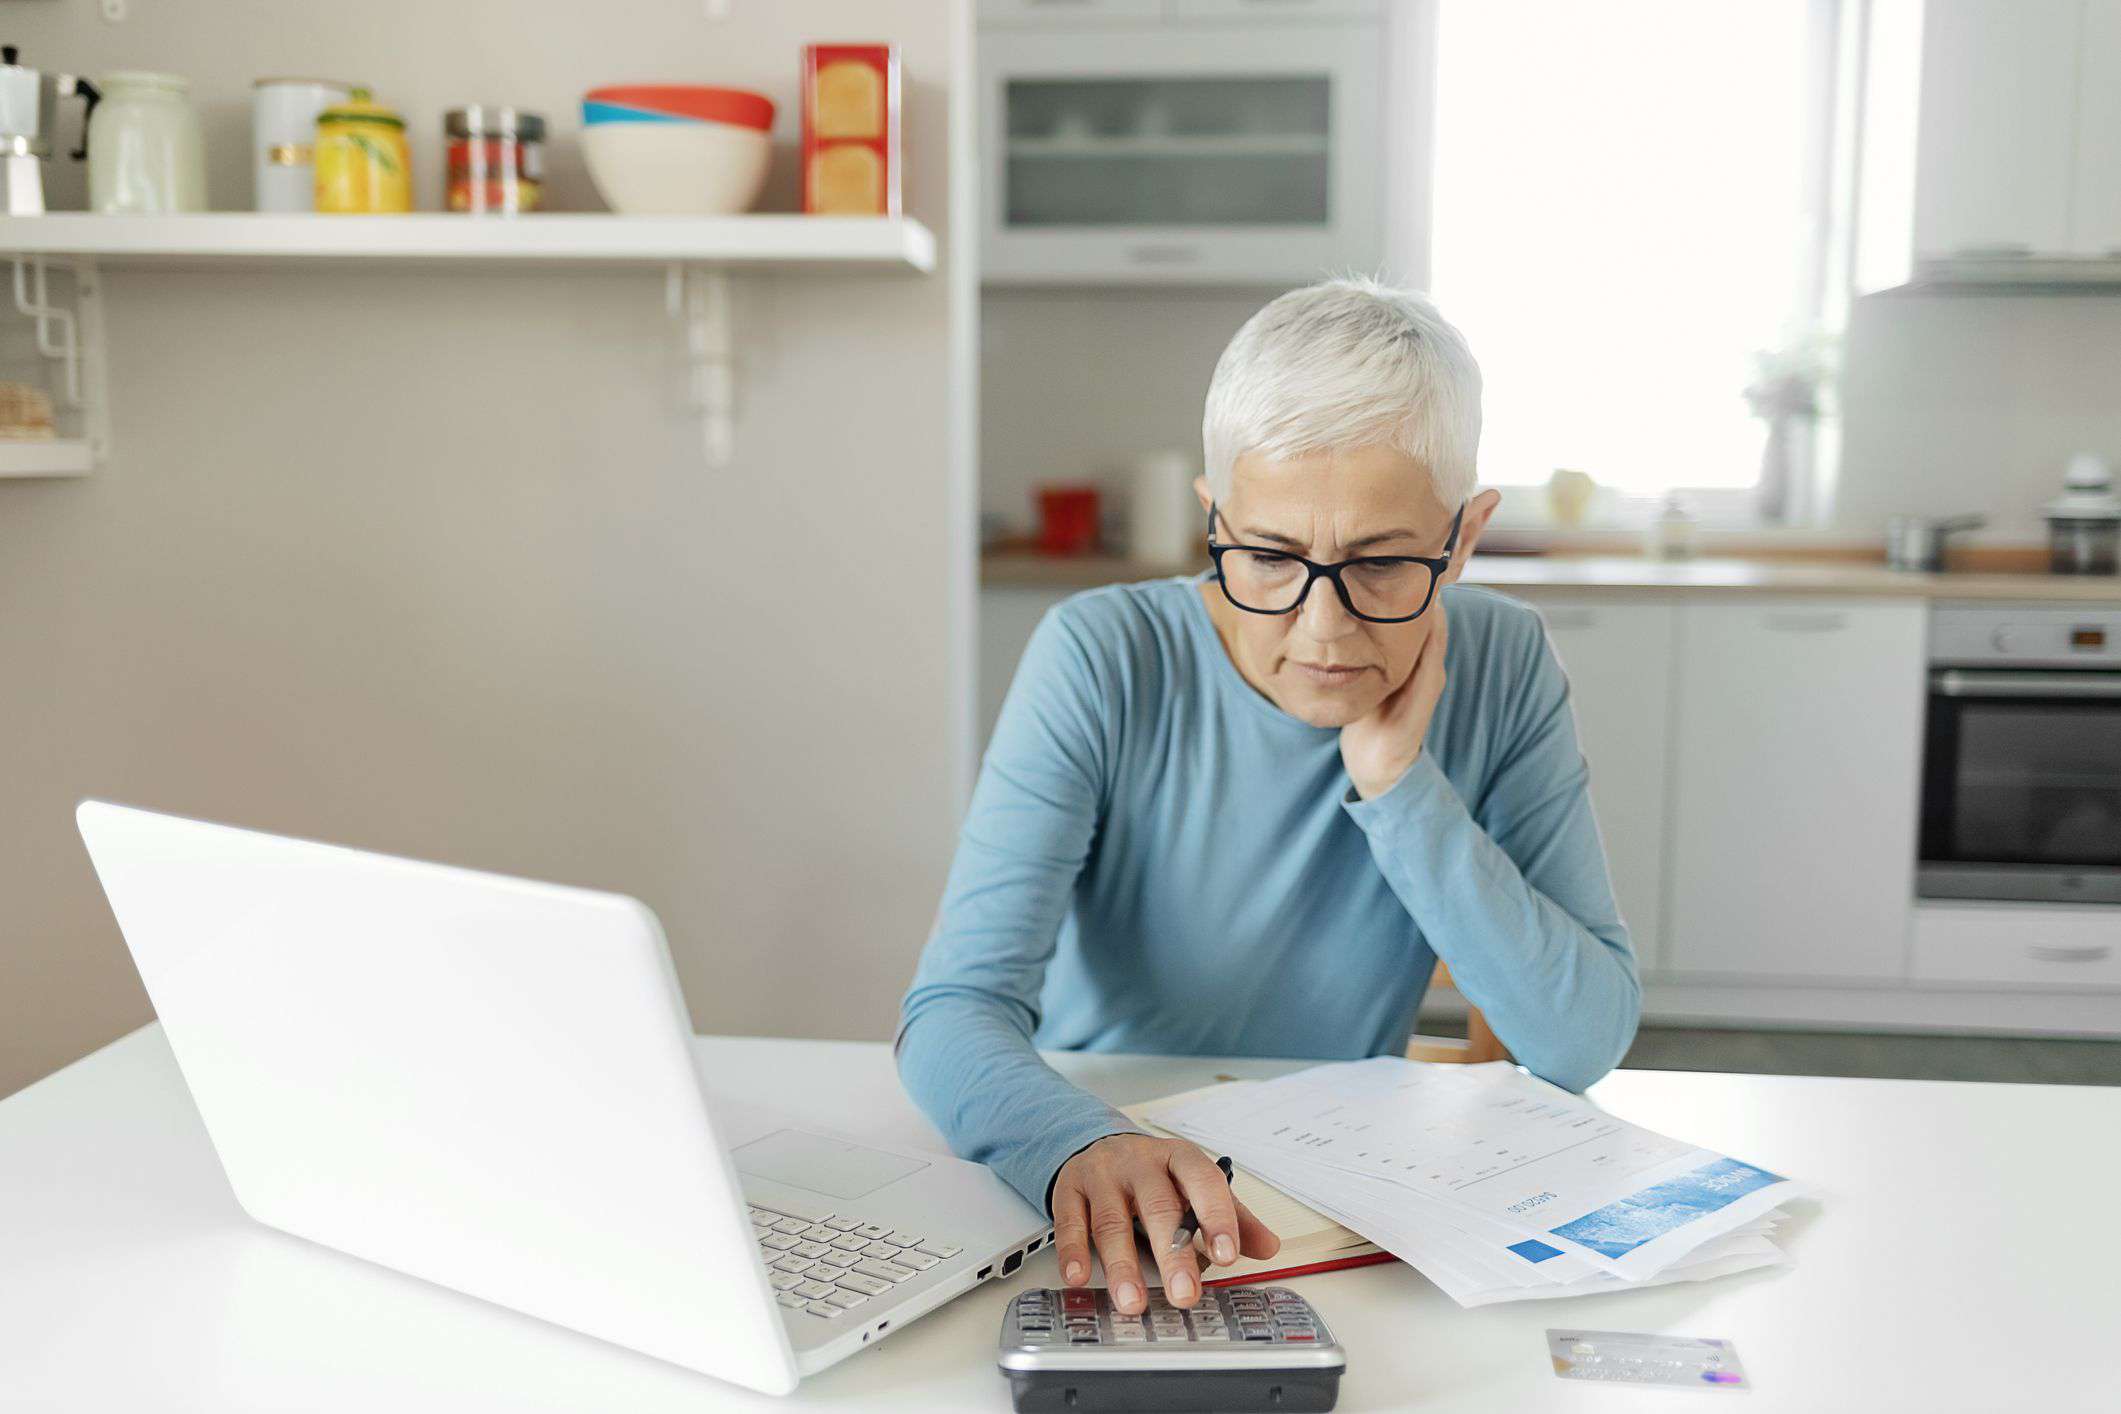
x,y
1629,209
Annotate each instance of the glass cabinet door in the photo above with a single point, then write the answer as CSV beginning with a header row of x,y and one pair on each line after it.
x,y
1235,156
1168,151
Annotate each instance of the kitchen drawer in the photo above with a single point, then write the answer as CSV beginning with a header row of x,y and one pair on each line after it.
x,y
2053,945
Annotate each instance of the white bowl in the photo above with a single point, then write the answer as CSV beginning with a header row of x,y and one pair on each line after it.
x,y
676,169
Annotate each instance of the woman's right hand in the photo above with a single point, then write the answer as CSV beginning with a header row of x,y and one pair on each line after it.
x,y
1101,1191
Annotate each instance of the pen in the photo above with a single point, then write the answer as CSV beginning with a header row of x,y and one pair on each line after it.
x,y
1188,1225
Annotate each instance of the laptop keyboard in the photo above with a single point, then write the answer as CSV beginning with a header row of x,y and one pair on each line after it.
x,y
830,1265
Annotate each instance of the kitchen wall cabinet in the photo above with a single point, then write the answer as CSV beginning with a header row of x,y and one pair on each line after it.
x,y
1999,114
1275,9
1181,153
1619,660
1989,133
1058,14
2096,213
1068,13
1795,789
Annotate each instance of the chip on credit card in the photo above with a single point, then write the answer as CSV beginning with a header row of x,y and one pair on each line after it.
x,y
1636,1358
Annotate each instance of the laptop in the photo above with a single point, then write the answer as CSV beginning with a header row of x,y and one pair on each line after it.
x,y
490,1083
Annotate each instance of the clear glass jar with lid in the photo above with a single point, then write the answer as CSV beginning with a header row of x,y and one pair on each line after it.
x,y
496,159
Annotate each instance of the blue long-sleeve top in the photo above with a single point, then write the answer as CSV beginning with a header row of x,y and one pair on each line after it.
x,y
1158,859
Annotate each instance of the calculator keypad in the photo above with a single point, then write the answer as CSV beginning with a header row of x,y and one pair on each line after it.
x,y
1049,1319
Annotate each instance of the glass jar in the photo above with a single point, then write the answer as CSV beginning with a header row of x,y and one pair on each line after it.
x,y
145,150
496,159
2084,544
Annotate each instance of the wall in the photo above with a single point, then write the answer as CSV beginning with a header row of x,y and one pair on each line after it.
x,y
428,563
1974,403
1951,402
1078,382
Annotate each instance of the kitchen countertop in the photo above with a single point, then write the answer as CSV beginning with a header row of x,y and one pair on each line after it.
x,y
1628,574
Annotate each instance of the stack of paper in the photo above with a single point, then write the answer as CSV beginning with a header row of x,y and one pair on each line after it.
x,y
1310,1241
1497,1186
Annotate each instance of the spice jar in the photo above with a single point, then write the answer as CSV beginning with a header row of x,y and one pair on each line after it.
x,y
496,159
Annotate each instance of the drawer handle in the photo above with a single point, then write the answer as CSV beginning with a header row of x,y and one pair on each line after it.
x,y
1163,254
2050,952
1821,621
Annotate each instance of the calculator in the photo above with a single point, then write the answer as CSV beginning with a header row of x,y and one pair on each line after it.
x,y
1241,1348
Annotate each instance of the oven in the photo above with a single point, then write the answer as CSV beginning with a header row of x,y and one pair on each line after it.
x,y
2021,782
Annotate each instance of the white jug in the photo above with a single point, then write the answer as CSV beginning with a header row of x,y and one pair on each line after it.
x,y
145,150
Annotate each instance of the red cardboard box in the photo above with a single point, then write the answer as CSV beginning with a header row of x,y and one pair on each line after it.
x,y
851,129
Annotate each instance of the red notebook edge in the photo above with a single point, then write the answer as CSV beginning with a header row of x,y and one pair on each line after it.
x,y
1337,1264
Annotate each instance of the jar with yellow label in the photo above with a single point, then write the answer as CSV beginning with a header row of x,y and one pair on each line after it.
x,y
362,162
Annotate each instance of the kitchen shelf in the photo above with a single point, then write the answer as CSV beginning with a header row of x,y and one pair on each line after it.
x,y
1006,569
64,456
252,240
1210,145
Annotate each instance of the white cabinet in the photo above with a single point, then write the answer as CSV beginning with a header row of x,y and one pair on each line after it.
x,y
1056,14
1067,12
1181,153
1989,128
1998,120
1619,660
1275,9
2096,214
1796,782
2047,946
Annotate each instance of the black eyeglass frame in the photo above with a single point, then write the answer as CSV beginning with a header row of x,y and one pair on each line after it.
x,y
1315,571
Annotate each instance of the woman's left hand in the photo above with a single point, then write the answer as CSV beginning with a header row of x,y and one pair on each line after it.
x,y
1378,749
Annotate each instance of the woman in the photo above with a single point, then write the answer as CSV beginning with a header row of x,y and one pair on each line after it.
x,y
1245,813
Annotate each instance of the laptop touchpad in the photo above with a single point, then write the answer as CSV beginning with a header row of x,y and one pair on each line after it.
x,y
833,1167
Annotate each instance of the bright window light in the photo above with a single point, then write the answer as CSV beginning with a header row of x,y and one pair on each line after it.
x,y
1626,212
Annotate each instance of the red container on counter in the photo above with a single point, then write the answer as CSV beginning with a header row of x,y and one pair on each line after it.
x,y
1067,520
851,129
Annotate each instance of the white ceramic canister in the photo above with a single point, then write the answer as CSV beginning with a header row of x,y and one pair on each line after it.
x,y
1167,526
145,151
283,125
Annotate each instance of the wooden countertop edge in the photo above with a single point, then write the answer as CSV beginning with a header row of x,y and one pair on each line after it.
x,y
1623,576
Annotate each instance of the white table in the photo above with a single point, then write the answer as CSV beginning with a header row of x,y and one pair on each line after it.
x,y
1947,1268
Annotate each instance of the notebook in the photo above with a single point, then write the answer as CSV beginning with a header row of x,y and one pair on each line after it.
x,y
1311,1242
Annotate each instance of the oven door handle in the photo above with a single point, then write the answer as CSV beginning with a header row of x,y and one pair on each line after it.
x,y
1956,682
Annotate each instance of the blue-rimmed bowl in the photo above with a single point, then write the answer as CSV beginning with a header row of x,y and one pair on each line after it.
x,y
594,112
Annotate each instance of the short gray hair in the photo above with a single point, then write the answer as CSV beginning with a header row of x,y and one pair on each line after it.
x,y
1345,364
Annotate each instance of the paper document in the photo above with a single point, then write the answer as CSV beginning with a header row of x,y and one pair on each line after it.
x,y
1308,1237
1493,1182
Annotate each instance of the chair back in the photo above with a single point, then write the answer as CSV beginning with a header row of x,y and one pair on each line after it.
x,y
1478,1044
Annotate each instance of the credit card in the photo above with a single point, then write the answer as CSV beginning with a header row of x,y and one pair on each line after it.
x,y
1634,1358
